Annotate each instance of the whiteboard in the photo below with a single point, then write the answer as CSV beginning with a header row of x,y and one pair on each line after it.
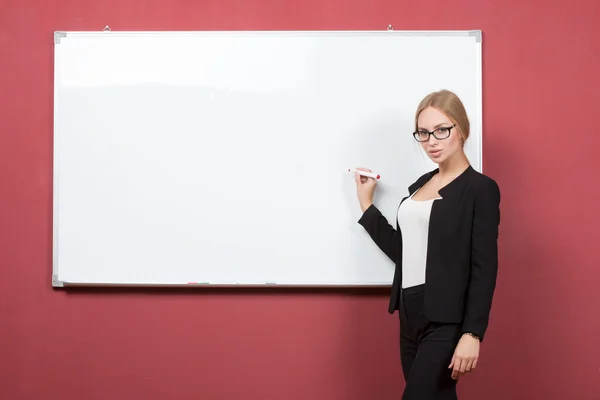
x,y
221,158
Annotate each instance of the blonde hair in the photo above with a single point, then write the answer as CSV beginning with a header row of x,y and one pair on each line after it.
x,y
451,105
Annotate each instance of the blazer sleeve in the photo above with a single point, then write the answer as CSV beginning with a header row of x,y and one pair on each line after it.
x,y
484,258
382,233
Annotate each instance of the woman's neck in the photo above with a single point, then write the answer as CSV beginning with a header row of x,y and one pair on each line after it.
x,y
454,166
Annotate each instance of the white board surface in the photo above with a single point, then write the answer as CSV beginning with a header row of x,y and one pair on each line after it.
x,y
222,157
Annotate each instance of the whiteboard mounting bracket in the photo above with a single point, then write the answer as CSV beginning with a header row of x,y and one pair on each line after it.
x,y
477,34
56,282
58,35
390,27
106,28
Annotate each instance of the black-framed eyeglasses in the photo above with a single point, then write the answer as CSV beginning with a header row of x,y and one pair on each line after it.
x,y
440,133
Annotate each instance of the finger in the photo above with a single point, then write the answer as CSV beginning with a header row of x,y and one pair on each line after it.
x,y
456,369
364,169
469,366
360,179
463,366
452,362
474,366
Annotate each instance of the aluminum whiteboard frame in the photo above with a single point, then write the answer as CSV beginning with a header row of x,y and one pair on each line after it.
x,y
59,35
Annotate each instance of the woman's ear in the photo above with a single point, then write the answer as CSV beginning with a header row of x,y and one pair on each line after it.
x,y
462,136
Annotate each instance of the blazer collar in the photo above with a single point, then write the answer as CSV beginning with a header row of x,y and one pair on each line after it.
x,y
454,185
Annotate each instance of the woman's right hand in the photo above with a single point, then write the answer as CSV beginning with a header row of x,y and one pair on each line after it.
x,y
365,189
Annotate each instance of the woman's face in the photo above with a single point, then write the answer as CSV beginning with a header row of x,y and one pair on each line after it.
x,y
439,150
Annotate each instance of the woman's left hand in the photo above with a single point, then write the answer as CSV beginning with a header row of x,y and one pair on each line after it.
x,y
465,356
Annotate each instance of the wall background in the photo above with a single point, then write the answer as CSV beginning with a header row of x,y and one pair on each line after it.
x,y
541,143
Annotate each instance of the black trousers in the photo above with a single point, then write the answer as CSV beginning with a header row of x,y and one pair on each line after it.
x,y
426,350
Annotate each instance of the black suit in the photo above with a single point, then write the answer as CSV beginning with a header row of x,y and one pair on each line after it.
x,y
462,255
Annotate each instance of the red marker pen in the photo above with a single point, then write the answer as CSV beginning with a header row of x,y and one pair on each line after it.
x,y
364,173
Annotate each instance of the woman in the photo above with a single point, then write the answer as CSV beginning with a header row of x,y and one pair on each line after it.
x,y
445,250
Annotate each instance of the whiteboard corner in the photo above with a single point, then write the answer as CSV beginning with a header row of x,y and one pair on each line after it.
x,y
56,282
58,35
477,34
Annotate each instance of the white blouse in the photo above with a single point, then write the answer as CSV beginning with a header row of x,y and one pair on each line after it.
x,y
413,219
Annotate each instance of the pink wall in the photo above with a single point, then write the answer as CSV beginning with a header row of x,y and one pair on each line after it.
x,y
542,141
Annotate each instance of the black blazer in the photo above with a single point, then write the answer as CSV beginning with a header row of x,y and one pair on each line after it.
x,y
462,254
